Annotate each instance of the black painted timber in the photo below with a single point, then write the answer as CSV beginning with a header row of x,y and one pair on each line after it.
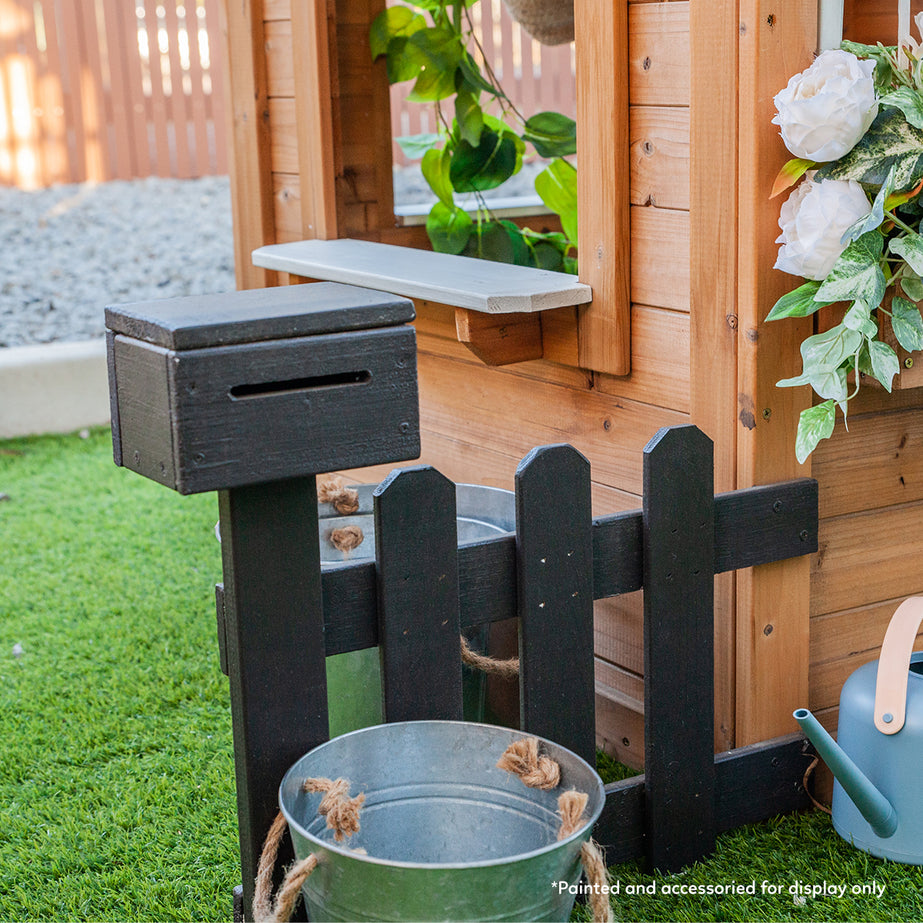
x,y
554,556
275,646
679,558
752,784
418,626
200,321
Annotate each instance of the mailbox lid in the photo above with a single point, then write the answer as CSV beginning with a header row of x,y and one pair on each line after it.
x,y
198,322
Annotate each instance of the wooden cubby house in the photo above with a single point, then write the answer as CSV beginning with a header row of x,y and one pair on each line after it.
x,y
677,155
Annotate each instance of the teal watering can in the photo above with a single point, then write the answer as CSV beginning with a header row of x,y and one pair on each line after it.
x,y
878,792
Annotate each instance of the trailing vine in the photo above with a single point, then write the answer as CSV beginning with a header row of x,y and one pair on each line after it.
x,y
474,150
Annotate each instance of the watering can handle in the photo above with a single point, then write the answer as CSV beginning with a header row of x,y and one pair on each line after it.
x,y
894,665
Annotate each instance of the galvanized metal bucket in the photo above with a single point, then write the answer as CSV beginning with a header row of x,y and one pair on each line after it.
x,y
446,834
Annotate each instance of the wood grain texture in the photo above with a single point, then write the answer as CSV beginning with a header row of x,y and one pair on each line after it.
x,y
771,48
658,50
418,621
659,139
654,233
250,157
603,186
859,630
554,580
500,340
678,568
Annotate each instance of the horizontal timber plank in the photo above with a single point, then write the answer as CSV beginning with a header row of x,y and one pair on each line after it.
x,y
659,156
286,194
659,54
514,414
886,470
283,153
852,631
620,679
660,269
620,726
619,627
277,9
867,557
660,369
280,70
487,569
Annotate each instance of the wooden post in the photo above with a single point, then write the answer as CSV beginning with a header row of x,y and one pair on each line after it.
x,y
554,575
274,625
776,41
418,624
604,334
679,566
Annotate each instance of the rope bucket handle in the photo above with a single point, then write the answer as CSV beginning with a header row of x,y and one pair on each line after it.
x,y
521,758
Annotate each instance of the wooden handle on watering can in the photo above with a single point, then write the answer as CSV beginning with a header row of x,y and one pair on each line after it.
x,y
894,666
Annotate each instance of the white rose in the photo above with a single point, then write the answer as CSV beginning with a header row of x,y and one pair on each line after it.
x,y
826,109
813,219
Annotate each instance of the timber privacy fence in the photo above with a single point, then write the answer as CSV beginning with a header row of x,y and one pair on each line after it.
x,y
256,392
117,89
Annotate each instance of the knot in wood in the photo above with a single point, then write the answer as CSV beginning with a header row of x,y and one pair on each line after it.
x,y
341,811
345,500
522,759
346,539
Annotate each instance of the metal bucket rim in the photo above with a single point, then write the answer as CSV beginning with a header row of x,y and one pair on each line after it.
x,y
345,852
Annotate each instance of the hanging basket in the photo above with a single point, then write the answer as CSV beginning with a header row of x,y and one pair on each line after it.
x,y
550,22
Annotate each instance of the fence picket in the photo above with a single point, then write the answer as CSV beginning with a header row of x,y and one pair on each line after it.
x,y
418,623
679,567
554,572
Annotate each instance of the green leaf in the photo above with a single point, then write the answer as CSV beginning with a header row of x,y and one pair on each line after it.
x,y
910,248
551,134
885,364
557,188
891,141
907,324
415,146
522,252
912,287
814,424
856,275
875,218
449,229
390,23
401,65
830,383
909,101
485,166
859,318
435,169
797,303
828,350
473,76
548,256
490,241
438,51
469,115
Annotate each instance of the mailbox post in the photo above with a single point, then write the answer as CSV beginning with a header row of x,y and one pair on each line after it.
x,y
252,394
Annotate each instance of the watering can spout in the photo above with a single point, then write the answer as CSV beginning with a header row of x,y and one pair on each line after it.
x,y
873,806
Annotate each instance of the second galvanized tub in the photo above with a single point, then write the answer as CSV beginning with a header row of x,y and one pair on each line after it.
x,y
448,835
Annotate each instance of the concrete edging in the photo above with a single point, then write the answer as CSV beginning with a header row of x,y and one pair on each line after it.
x,y
53,388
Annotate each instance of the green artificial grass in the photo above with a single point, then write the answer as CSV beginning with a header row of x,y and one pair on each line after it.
x,y
116,765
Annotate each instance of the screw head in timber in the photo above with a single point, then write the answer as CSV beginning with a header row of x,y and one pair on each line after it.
x,y
767,413
908,362
777,506
803,535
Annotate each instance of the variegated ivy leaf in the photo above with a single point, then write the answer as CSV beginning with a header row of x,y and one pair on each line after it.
x,y
859,317
913,287
826,351
830,383
815,423
856,275
909,101
876,216
885,364
907,324
910,247
891,141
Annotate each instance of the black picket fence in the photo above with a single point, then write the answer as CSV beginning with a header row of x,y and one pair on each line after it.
x,y
225,411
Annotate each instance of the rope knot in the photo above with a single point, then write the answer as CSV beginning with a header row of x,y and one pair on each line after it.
x,y
571,806
341,811
344,499
346,538
521,758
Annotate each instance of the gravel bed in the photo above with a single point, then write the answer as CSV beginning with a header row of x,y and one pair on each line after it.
x,y
69,251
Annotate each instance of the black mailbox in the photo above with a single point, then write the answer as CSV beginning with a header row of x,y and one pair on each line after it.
x,y
219,391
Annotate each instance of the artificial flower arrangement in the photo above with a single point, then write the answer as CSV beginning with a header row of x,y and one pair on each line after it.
x,y
852,226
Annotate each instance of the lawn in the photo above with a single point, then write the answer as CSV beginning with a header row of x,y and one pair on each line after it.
x,y
117,776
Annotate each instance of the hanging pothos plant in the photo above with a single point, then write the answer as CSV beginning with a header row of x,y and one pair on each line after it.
x,y
474,150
